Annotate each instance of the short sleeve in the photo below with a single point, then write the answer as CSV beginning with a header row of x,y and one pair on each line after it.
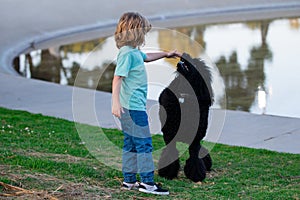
x,y
123,65
143,55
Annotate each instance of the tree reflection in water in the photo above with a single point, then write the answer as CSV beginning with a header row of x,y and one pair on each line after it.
x,y
48,69
49,66
242,85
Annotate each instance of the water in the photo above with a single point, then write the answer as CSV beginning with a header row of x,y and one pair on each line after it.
x,y
258,61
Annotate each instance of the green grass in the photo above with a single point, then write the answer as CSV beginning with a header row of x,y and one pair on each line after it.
x,y
62,159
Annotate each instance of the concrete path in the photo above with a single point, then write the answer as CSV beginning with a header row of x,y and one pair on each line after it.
x,y
36,24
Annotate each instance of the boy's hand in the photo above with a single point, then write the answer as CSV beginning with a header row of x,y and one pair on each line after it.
x,y
173,54
117,110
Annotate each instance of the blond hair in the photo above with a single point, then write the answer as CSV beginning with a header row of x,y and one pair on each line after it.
x,y
131,30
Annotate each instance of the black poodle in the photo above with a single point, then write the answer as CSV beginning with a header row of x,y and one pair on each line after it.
x,y
184,109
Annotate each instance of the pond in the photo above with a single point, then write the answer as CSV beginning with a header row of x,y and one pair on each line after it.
x,y
258,62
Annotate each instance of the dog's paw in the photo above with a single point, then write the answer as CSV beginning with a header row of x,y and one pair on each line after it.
x,y
194,169
171,171
168,164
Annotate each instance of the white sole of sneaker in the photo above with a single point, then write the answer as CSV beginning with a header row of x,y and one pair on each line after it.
x,y
153,192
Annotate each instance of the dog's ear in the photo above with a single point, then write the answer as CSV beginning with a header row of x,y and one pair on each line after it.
x,y
189,62
182,68
187,59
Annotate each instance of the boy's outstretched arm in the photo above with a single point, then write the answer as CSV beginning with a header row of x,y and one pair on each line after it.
x,y
155,56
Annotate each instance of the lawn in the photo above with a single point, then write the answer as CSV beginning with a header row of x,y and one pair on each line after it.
x,y
48,158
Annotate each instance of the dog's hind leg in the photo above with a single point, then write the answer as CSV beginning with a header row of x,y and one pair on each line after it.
x,y
203,153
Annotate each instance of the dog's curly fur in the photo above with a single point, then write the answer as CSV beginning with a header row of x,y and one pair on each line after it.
x,y
184,109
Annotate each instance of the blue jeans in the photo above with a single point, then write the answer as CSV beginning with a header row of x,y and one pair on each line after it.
x,y
137,149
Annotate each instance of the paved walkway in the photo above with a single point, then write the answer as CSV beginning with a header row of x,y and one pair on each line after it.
x,y
38,24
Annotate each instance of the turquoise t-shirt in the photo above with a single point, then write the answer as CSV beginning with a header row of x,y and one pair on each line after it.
x,y
130,65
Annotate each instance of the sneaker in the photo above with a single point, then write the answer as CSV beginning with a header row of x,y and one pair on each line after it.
x,y
152,189
130,186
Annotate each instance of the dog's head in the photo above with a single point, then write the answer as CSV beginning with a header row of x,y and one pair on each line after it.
x,y
198,75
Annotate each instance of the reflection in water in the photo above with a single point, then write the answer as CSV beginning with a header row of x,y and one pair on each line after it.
x,y
246,82
262,99
48,69
235,83
59,66
242,85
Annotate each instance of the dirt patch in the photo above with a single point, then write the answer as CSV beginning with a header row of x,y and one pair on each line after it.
x,y
52,156
23,184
